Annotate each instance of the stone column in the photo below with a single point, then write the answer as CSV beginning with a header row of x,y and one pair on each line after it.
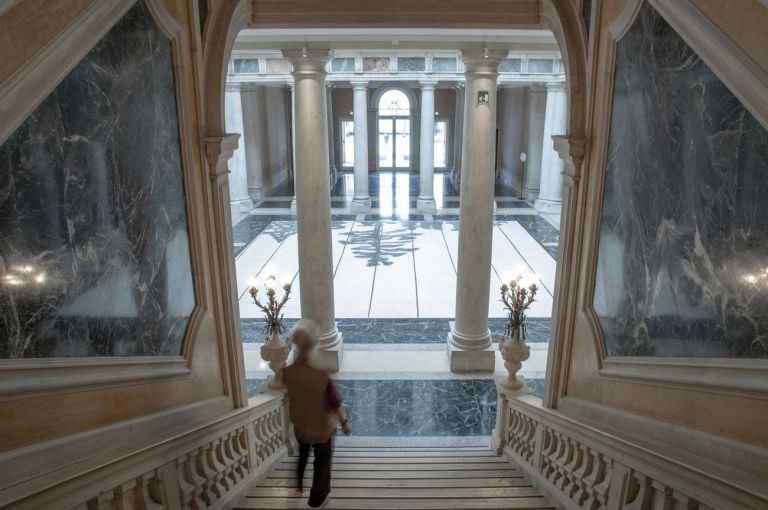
x,y
313,201
254,119
239,200
536,107
361,203
469,342
292,86
331,137
425,203
551,187
458,134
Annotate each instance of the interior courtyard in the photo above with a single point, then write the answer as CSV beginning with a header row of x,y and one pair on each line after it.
x,y
183,182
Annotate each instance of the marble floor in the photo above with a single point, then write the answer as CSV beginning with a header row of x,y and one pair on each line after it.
x,y
394,282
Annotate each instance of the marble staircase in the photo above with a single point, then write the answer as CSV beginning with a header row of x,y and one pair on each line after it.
x,y
405,477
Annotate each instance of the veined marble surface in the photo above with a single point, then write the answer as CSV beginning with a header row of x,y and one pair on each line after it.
x,y
418,408
683,258
94,253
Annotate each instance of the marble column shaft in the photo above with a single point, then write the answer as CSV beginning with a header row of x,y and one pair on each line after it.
x,y
313,201
255,138
425,202
293,142
238,178
536,108
458,133
331,136
361,203
470,340
551,187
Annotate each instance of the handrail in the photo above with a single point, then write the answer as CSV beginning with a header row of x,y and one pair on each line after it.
x,y
207,466
584,467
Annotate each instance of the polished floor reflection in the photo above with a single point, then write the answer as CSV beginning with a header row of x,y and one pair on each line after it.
x,y
394,282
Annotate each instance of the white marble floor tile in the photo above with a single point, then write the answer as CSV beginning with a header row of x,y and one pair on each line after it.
x,y
253,259
542,264
506,257
435,274
353,283
394,288
285,260
451,240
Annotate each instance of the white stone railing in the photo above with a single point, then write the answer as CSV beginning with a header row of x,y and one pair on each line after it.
x,y
208,467
583,468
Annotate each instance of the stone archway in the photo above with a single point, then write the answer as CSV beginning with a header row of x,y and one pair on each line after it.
x,y
562,17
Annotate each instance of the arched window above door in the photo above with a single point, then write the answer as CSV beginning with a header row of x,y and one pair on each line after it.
x,y
394,103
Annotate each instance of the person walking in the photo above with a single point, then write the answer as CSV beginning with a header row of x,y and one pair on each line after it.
x,y
315,410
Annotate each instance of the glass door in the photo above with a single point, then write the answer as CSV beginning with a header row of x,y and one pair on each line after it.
x,y
386,143
402,154
441,143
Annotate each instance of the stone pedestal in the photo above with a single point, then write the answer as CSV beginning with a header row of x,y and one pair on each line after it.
x,y
551,188
470,340
361,203
425,202
313,201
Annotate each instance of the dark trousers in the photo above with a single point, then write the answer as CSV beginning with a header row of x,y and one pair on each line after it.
x,y
321,481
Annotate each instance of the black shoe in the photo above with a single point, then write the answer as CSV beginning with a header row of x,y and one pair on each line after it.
x,y
321,505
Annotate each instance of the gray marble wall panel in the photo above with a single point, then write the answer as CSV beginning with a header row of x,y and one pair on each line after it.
x,y
94,251
683,257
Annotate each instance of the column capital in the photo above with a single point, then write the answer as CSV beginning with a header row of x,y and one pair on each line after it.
x,y
219,150
428,84
359,84
557,87
306,61
482,61
233,86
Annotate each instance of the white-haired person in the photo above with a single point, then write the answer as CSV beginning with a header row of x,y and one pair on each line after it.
x,y
315,410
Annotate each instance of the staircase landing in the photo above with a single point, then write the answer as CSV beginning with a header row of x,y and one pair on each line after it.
x,y
367,477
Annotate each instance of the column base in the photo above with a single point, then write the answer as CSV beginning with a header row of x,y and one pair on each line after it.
x,y
462,360
530,193
361,205
329,357
256,194
242,206
547,206
426,205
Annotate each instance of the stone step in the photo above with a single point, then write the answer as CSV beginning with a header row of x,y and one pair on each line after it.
x,y
404,478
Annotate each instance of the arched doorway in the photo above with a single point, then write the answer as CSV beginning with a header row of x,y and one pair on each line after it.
x,y
393,131
562,17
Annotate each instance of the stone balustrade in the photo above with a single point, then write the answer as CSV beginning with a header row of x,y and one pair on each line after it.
x,y
583,468
207,467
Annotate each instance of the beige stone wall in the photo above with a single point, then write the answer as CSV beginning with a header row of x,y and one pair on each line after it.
x,y
35,417
729,413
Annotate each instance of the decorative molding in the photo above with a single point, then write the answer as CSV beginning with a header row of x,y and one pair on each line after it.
x,y
583,467
702,374
36,79
205,465
21,378
743,77
218,152
728,376
19,96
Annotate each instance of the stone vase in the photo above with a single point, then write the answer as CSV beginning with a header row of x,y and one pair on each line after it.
x,y
275,352
514,351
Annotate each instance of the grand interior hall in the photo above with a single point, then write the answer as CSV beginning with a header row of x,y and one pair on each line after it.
x,y
529,236
395,240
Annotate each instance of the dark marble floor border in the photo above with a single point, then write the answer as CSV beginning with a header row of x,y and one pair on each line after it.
x,y
414,408
401,331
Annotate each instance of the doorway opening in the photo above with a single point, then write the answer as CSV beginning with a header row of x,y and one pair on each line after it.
x,y
394,131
